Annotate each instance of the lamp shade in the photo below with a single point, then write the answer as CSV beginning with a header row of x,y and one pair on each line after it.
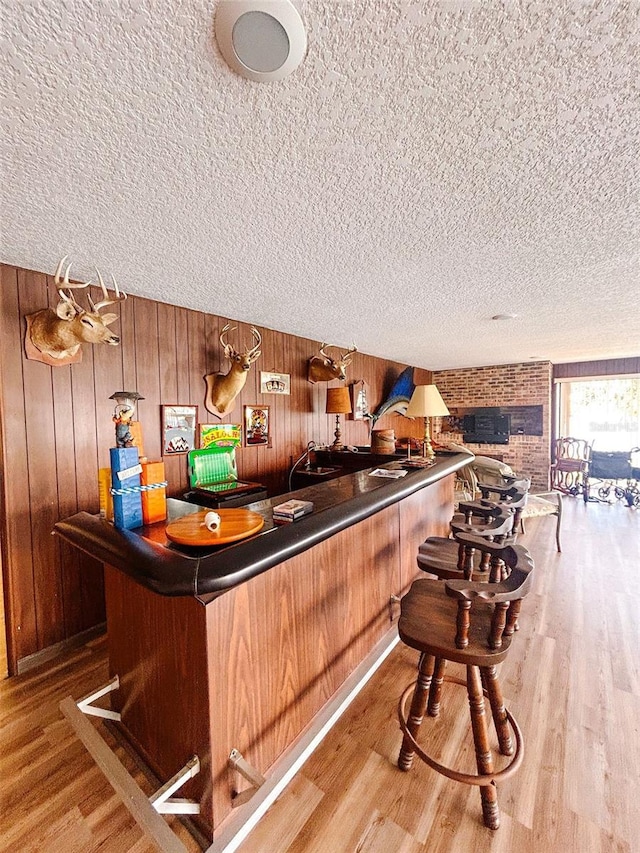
x,y
338,401
426,402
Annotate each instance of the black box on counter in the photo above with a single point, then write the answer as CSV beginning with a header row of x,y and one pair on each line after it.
x,y
292,510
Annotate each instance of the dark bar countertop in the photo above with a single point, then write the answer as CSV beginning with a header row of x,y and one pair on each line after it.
x,y
152,560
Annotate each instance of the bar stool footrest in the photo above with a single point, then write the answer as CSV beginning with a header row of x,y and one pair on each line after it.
x,y
466,778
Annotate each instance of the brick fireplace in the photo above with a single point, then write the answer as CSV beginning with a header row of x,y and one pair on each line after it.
x,y
504,385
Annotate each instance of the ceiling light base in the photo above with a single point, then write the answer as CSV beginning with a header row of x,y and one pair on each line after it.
x,y
263,40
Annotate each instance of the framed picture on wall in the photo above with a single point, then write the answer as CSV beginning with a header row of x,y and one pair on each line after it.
x,y
256,426
178,429
220,435
359,400
275,383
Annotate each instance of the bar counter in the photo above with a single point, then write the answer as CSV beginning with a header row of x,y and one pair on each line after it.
x,y
169,569
243,647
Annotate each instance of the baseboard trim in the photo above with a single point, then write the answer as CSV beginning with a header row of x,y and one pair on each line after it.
x,y
51,652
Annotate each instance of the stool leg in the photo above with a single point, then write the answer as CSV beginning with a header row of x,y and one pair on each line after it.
x,y
435,691
418,706
558,523
494,692
484,759
512,618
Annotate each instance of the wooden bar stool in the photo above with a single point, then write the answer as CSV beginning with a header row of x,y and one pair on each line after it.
x,y
471,623
450,559
511,498
533,506
508,493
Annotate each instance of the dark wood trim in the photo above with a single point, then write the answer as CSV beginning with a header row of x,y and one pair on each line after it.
x,y
45,655
605,367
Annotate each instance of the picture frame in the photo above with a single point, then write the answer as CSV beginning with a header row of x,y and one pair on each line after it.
x,y
178,429
219,435
359,391
257,426
275,383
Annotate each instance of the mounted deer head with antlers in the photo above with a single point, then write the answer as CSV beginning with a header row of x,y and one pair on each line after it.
x,y
323,368
55,336
223,388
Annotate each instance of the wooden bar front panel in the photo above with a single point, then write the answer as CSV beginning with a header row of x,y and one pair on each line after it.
x,y
425,513
252,668
283,643
157,648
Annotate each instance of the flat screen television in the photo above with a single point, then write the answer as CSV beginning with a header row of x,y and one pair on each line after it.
x,y
486,428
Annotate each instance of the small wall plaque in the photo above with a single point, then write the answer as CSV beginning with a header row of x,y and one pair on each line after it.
x,y
275,383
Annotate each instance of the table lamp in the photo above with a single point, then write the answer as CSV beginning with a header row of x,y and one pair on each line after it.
x,y
338,403
426,403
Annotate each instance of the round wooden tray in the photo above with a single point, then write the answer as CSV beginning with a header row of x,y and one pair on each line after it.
x,y
234,524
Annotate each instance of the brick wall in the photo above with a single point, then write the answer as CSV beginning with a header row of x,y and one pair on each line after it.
x,y
504,385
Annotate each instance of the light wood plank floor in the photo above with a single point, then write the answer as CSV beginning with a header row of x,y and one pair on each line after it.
x,y
572,680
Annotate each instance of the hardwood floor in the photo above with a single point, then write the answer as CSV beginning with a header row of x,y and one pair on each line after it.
x,y
572,680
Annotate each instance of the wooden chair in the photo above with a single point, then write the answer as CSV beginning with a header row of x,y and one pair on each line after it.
x,y
450,559
510,497
484,469
534,506
570,466
542,504
471,623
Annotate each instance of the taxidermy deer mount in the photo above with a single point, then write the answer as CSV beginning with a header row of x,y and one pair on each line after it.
x,y
223,388
55,336
323,368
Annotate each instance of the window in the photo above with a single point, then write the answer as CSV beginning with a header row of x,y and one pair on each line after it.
x,y
605,412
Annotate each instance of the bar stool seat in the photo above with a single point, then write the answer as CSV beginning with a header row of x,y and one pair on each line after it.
x,y
470,623
428,596
454,558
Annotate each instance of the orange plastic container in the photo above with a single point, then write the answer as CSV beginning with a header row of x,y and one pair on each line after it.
x,y
106,498
154,501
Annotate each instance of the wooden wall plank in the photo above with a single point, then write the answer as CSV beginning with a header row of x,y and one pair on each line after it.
x,y
605,367
147,383
127,327
87,400
108,375
66,473
168,386
197,361
41,461
17,551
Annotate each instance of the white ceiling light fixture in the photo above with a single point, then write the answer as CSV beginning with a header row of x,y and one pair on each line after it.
x,y
263,40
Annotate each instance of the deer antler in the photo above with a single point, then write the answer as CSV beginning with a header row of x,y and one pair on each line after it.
x,y
119,297
258,337
66,285
225,329
322,352
343,356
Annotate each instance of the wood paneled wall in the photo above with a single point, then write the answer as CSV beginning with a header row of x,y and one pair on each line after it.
x,y
606,367
56,431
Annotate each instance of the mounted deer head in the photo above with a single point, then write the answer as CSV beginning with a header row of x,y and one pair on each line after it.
x,y
323,368
55,336
223,388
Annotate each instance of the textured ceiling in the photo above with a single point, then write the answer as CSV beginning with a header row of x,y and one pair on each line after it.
x,y
427,166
